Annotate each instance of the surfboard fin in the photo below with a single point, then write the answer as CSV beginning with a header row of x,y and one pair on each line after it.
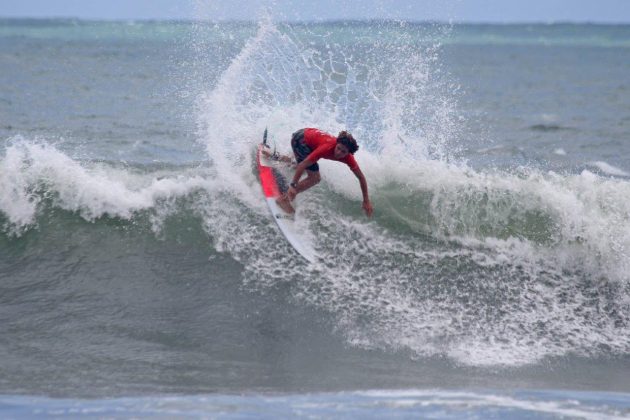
x,y
275,155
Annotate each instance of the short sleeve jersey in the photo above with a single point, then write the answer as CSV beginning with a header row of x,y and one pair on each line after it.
x,y
323,147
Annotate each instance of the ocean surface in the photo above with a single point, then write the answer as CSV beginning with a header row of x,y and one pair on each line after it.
x,y
142,276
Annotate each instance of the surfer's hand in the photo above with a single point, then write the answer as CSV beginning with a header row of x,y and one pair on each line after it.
x,y
291,193
367,207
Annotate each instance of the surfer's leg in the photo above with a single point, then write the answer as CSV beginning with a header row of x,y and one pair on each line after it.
x,y
300,149
311,180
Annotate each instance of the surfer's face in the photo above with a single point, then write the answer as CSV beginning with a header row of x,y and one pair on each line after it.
x,y
341,151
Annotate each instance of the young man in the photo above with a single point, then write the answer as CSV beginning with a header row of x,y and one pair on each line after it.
x,y
309,145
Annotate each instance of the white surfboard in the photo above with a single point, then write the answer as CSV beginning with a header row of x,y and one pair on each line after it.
x,y
274,185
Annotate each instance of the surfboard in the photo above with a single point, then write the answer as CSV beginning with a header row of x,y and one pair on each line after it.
x,y
274,184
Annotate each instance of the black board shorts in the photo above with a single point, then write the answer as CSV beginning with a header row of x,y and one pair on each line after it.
x,y
301,149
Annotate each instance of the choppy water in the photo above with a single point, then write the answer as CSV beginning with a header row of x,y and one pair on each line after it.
x,y
137,256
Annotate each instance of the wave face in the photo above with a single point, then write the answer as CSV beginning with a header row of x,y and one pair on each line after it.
x,y
481,267
486,268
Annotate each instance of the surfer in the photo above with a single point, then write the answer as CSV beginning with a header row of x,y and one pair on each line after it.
x,y
309,145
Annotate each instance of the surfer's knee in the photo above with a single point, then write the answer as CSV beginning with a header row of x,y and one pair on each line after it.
x,y
314,177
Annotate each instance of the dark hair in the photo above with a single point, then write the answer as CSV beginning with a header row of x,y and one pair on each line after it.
x,y
347,140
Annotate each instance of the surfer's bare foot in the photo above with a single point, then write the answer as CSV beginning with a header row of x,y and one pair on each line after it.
x,y
276,156
284,203
285,159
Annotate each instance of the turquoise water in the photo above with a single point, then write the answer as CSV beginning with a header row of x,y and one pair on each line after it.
x,y
558,34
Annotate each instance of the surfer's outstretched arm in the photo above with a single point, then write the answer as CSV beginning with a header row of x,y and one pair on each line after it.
x,y
367,205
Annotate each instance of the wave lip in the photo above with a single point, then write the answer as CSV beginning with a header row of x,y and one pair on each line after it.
x,y
35,172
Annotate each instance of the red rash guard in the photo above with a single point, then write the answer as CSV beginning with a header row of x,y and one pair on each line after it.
x,y
323,147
